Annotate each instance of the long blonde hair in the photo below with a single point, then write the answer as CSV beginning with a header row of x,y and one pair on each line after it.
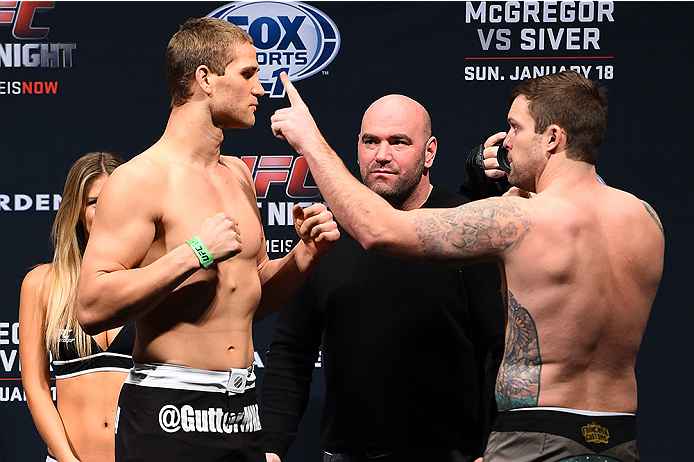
x,y
69,241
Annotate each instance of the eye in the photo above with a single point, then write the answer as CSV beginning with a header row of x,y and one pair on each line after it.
x,y
249,72
400,143
91,201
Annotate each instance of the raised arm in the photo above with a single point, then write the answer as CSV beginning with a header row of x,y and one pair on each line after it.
x,y
477,231
117,286
35,363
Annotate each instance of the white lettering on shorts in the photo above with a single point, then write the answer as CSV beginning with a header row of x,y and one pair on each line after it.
x,y
211,420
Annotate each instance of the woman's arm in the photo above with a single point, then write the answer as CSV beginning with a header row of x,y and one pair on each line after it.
x,y
35,363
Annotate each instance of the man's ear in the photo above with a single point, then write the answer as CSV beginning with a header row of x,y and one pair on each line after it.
x,y
202,78
358,141
430,149
555,138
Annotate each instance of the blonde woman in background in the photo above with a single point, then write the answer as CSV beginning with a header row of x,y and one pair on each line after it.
x,y
89,370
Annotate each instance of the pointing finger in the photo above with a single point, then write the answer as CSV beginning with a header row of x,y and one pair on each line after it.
x,y
292,93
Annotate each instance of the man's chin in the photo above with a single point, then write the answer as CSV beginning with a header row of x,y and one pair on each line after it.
x,y
380,188
244,124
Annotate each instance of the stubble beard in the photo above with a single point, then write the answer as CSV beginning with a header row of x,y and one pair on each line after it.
x,y
398,192
523,175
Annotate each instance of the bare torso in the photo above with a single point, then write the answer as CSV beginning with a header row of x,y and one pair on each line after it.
x,y
87,406
206,322
580,289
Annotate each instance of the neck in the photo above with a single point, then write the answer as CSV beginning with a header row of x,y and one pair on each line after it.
x,y
566,173
417,198
190,131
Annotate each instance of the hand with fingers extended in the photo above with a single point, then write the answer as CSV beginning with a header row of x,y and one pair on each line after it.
x,y
221,236
316,228
295,123
489,156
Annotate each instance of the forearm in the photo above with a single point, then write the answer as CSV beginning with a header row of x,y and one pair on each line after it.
x,y
109,299
48,422
361,212
281,278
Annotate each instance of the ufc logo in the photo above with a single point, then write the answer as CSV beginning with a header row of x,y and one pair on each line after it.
x,y
20,15
293,172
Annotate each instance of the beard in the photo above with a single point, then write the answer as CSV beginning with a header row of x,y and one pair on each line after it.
x,y
399,188
524,172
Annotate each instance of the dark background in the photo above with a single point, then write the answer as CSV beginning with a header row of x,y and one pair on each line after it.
x,y
114,97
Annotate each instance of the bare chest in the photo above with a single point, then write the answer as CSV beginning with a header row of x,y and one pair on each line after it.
x,y
190,200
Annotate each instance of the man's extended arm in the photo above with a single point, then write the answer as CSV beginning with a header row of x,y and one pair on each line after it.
x,y
474,232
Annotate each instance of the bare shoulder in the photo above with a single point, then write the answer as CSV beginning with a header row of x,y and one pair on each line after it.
x,y
639,208
511,207
239,169
134,188
37,276
654,216
237,165
144,170
35,283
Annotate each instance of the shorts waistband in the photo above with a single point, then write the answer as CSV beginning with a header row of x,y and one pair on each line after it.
x,y
594,431
570,411
400,456
159,375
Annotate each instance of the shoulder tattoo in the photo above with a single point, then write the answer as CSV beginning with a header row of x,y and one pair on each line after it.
x,y
653,215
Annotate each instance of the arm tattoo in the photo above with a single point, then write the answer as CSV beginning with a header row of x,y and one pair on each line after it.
x,y
653,215
478,228
518,381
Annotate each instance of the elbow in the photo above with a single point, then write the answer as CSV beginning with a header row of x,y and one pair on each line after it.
x,y
369,243
87,318
372,239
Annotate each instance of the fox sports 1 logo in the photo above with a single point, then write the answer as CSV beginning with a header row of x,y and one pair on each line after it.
x,y
292,37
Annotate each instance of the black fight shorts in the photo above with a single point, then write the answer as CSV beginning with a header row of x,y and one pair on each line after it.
x,y
172,413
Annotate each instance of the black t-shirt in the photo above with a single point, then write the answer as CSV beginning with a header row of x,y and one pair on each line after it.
x,y
404,351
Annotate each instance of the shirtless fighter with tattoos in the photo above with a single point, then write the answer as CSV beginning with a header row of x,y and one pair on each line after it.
x,y
581,262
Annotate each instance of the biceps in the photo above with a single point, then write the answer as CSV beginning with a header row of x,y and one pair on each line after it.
x,y
118,241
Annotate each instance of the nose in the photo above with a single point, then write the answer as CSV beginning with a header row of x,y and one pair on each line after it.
x,y
257,89
507,142
383,153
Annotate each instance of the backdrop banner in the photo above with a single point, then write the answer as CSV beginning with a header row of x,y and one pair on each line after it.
x,y
89,76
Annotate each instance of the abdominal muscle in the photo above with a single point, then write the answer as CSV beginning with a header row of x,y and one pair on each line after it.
x,y
206,323
87,406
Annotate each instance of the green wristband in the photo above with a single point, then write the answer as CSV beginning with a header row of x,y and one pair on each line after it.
x,y
206,260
